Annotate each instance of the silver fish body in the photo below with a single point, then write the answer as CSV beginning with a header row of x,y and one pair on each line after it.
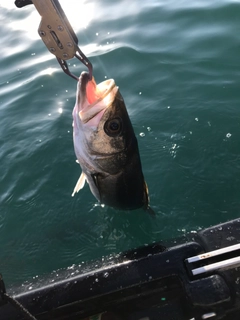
x,y
106,147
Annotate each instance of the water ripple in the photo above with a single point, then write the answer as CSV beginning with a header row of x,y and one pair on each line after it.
x,y
177,67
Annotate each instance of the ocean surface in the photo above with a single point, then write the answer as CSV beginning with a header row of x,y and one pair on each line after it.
x,y
177,64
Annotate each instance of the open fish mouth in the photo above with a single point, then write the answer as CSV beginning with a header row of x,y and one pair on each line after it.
x,y
94,99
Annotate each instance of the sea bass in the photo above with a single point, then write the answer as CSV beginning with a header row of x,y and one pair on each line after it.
x,y
106,147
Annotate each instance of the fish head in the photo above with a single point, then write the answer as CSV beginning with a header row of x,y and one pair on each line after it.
x,y
101,122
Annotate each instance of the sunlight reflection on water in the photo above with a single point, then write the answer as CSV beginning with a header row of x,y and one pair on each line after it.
x,y
79,18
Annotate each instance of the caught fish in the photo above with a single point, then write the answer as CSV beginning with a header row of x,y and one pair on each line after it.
x,y
106,147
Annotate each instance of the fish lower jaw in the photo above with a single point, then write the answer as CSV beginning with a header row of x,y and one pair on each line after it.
x,y
107,95
96,109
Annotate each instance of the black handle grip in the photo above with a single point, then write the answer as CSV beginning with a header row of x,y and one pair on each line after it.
x,y
22,3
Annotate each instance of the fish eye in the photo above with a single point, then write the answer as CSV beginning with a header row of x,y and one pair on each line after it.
x,y
113,127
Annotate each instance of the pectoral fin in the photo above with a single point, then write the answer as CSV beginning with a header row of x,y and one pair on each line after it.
x,y
80,183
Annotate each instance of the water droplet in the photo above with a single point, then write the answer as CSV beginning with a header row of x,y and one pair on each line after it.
x,y
142,134
106,274
97,33
168,107
228,135
71,267
196,119
96,280
150,278
148,128
140,93
49,114
30,288
60,110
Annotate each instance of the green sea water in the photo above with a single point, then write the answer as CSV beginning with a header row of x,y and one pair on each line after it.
x,y
177,64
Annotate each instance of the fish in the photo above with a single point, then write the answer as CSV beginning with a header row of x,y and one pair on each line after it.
x,y
106,146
